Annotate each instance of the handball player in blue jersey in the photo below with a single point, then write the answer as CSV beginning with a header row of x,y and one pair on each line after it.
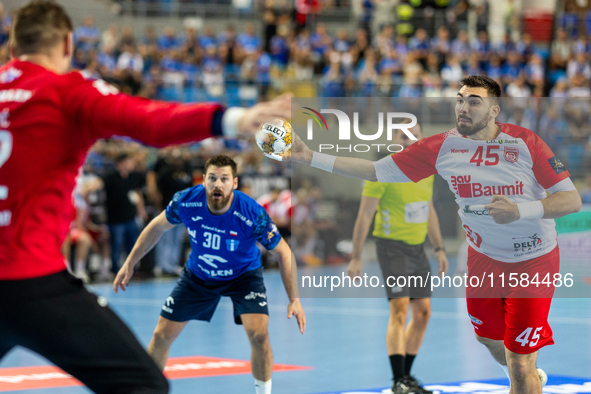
x,y
224,225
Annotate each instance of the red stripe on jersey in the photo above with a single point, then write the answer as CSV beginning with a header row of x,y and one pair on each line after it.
x,y
418,160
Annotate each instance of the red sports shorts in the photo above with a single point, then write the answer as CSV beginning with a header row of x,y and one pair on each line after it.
x,y
517,315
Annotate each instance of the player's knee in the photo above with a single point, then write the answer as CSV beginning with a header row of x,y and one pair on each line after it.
x,y
398,317
258,337
162,338
422,316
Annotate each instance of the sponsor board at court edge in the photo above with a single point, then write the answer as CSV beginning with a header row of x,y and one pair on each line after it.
x,y
48,376
556,385
388,122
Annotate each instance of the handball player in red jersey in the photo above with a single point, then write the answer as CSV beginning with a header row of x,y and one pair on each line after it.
x,y
49,118
500,174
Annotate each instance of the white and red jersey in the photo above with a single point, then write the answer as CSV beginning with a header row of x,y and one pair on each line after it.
x,y
47,124
517,164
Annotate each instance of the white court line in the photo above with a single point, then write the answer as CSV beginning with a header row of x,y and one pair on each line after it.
x,y
348,311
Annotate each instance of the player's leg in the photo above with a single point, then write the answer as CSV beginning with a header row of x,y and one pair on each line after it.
x,y
420,313
76,331
165,333
261,358
393,262
189,300
249,298
395,336
524,375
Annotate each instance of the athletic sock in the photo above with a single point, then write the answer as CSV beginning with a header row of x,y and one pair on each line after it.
x,y
506,369
262,387
397,364
408,363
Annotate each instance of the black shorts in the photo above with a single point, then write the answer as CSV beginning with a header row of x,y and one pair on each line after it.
x,y
398,259
58,318
195,299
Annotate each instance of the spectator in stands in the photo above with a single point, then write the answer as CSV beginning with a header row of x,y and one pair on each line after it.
x,y
127,38
168,40
560,89
110,38
578,65
87,37
383,42
280,47
512,68
208,39
130,60
452,70
561,50
248,41
460,47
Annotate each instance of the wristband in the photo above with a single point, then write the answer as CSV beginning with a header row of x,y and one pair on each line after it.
x,y
323,161
230,120
439,248
531,210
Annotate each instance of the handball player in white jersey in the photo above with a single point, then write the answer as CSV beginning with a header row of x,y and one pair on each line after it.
x,y
500,174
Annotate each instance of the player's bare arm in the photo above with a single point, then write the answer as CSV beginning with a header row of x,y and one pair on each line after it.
x,y
346,166
556,205
367,208
434,234
146,241
287,269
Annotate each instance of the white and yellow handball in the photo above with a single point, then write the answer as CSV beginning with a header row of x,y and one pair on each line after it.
x,y
274,138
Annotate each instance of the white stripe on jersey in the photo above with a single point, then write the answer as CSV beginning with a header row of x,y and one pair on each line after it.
x,y
387,171
565,185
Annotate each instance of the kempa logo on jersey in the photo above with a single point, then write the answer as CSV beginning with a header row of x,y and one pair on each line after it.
x,y
459,151
345,130
466,189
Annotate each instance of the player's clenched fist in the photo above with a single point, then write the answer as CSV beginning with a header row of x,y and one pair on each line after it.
x,y
502,210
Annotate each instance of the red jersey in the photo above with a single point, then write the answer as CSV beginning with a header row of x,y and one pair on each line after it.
x,y
48,122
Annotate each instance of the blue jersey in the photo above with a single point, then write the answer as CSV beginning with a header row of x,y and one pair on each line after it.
x,y
222,246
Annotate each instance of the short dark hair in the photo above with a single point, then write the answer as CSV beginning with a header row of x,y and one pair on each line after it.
x,y
480,81
221,161
121,158
39,26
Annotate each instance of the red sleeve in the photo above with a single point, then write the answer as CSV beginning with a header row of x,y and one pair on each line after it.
x,y
418,160
100,110
548,170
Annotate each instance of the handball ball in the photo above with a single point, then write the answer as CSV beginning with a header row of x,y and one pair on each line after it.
x,y
274,137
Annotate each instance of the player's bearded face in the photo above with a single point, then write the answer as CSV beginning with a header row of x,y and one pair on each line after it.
x,y
470,124
219,185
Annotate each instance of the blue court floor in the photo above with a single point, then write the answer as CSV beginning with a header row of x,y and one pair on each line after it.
x,y
344,343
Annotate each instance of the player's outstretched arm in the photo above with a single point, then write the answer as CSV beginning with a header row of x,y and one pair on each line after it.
x,y
289,271
146,241
347,166
384,170
367,208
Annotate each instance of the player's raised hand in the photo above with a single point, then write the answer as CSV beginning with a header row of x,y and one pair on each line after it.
x,y
295,309
255,116
354,268
123,276
299,152
502,210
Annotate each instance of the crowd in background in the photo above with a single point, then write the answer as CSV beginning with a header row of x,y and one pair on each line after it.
x,y
246,66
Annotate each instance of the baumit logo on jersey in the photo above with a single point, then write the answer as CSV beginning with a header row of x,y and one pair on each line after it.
x,y
390,124
465,188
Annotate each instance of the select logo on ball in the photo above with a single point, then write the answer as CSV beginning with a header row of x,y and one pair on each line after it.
x,y
275,137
